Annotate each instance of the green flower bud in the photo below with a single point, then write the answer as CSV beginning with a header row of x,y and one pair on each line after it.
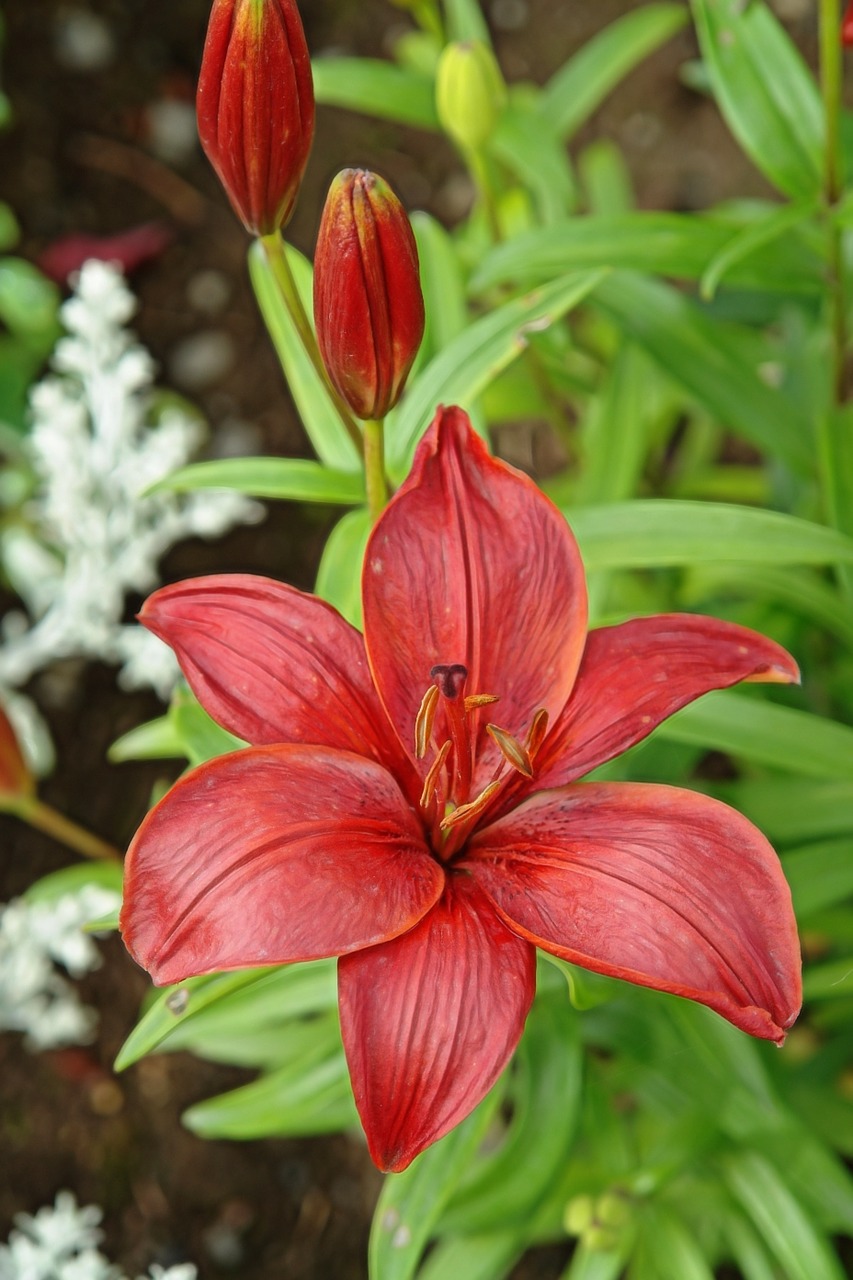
x,y
470,93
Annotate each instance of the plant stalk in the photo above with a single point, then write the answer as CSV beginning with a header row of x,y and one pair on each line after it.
x,y
274,248
374,467
53,823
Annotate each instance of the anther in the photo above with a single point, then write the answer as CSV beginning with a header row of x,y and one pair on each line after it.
x,y
424,721
450,678
431,780
511,749
472,810
536,732
475,700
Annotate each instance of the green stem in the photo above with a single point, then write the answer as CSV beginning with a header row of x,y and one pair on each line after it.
x,y
831,74
479,170
834,424
374,467
53,823
274,248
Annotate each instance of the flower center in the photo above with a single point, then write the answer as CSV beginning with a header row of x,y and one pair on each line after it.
x,y
448,726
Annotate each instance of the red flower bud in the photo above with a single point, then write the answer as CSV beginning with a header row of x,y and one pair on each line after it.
x,y
255,107
847,27
16,780
368,305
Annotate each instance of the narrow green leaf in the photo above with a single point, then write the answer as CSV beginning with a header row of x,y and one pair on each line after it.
x,y
615,433
780,737
791,811
292,479
800,591
820,874
29,302
578,88
745,244
411,1202
326,432
666,1250
791,1237
717,363
764,90
462,370
376,88
105,875
10,232
538,159
685,245
594,1264
177,1003
474,1257
300,1099
652,532
339,574
442,282
830,980
156,740
200,736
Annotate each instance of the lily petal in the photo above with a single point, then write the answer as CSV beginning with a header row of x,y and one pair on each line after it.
x,y
655,885
471,564
270,855
271,663
431,1019
635,675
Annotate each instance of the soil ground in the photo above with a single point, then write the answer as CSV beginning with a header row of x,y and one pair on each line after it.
x,y
79,159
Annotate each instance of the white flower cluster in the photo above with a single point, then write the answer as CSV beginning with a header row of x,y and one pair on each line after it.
x,y
60,1243
94,534
34,938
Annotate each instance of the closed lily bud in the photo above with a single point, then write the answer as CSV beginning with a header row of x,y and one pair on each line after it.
x,y
16,781
470,93
368,305
847,27
255,107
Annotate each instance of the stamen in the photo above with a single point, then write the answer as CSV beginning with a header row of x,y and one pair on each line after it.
x,y
431,780
472,810
424,721
511,749
536,732
450,678
475,700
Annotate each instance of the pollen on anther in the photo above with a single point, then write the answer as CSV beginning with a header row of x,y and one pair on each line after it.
x,y
511,749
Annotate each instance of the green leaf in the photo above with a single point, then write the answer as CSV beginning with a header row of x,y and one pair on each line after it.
x,y
745,244
200,736
441,280
802,592
29,302
174,1005
376,88
716,363
10,232
293,479
339,574
106,875
465,367
780,737
820,875
652,532
791,811
802,1252
474,1257
685,245
828,981
594,1264
326,432
305,1097
666,1250
157,740
764,90
505,1189
615,431
538,159
577,89
412,1202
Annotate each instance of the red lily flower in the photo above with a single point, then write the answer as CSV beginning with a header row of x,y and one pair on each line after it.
x,y
410,801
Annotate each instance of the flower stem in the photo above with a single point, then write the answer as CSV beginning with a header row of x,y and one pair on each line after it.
x,y
834,426
274,248
374,467
479,170
53,823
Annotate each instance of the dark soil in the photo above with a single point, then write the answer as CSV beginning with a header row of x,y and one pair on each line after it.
x,y
78,159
